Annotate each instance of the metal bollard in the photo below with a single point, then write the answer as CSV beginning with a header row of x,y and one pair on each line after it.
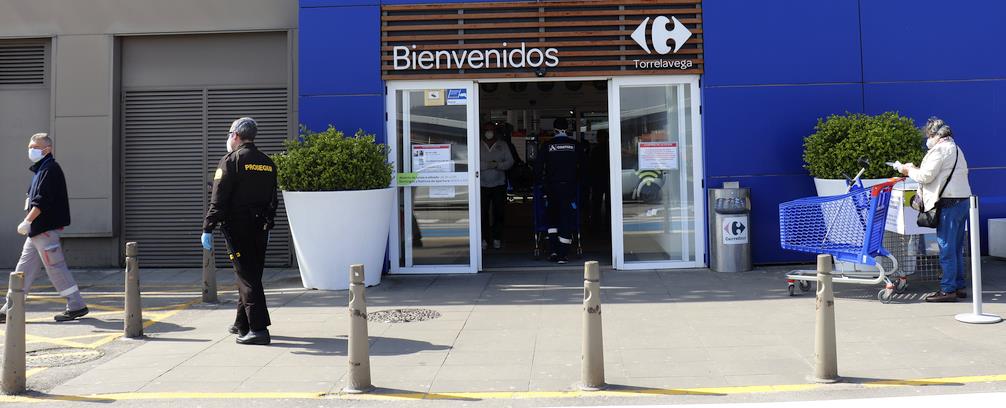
x,y
359,340
825,349
209,277
14,369
592,357
134,310
977,315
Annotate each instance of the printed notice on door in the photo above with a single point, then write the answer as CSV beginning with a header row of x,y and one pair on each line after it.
x,y
658,156
433,161
431,158
457,97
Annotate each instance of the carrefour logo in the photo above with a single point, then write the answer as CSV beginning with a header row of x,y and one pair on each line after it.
x,y
661,35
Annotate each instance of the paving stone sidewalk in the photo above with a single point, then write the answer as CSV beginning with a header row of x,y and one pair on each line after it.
x,y
520,332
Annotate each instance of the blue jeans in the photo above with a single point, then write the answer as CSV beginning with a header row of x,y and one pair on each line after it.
x,y
950,237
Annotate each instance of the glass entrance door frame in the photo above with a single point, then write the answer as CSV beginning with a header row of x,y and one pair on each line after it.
x,y
695,155
397,144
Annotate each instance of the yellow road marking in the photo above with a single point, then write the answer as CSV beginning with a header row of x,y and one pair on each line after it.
x,y
86,336
105,338
63,301
31,338
33,371
628,392
937,381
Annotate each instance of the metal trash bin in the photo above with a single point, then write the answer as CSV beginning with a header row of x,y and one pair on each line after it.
x,y
729,228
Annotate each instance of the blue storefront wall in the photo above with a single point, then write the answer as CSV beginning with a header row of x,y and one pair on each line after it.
x,y
772,68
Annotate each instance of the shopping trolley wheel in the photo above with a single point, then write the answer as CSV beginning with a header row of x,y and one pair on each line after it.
x,y
805,286
886,295
792,289
901,286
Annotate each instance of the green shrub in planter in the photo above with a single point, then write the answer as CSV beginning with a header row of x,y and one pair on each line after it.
x,y
330,161
840,140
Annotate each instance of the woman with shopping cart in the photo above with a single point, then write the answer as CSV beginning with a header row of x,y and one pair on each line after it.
x,y
943,185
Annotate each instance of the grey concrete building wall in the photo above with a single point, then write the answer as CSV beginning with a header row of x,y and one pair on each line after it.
x,y
81,114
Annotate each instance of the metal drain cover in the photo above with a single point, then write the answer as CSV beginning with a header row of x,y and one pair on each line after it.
x,y
60,356
403,315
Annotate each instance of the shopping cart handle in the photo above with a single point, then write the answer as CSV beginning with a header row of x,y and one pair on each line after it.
x,y
886,186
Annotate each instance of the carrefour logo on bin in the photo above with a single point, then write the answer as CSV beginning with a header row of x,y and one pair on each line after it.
x,y
680,34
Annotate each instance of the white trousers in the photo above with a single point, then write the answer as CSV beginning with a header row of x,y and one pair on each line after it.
x,y
45,250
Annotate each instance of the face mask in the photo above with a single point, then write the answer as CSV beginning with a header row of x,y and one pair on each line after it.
x,y
487,135
35,155
229,148
931,142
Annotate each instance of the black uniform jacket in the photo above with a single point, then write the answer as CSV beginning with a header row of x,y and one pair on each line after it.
x,y
560,161
244,189
47,192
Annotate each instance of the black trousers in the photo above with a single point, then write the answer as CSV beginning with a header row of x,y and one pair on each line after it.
x,y
246,245
561,212
493,202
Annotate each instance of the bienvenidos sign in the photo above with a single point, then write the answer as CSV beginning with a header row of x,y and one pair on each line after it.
x,y
408,58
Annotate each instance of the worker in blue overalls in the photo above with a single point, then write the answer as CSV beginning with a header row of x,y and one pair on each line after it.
x,y
560,170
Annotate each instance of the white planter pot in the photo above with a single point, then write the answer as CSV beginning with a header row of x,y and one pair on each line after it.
x,y
335,229
832,187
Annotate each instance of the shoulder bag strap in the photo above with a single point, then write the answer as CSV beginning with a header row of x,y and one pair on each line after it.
x,y
944,187
957,156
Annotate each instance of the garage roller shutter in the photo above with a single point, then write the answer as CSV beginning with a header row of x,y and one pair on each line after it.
x,y
163,137
269,108
172,143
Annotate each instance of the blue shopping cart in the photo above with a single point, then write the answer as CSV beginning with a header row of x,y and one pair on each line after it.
x,y
849,227
541,222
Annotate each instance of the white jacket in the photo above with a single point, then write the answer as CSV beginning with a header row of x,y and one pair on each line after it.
x,y
499,153
932,173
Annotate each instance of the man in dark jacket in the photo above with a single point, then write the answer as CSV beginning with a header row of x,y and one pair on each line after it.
x,y
48,211
244,205
560,169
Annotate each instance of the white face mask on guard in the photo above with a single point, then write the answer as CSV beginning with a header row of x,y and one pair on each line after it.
x,y
487,135
229,148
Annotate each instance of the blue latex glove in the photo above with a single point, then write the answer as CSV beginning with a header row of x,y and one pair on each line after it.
x,y
207,240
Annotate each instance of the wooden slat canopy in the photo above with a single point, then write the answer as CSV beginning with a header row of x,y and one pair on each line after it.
x,y
545,38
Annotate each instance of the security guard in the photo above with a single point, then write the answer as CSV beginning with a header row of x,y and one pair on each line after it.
x,y
244,204
559,166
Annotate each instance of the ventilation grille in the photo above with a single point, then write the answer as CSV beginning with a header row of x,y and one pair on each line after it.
x,y
589,37
22,64
173,141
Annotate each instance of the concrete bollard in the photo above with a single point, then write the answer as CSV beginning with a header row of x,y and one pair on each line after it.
x,y
825,349
134,310
14,370
359,340
592,357
209,277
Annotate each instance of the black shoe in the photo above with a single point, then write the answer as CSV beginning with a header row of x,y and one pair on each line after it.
x,y
235,330
562,260
68,315
554,257
260,338
941,297
962,294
